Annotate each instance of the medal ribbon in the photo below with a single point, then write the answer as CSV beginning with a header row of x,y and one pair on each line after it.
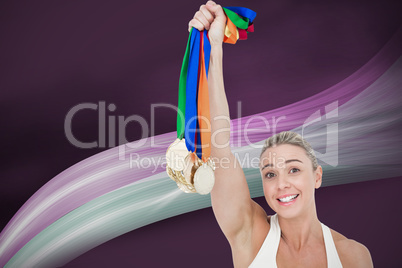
x,y
193,116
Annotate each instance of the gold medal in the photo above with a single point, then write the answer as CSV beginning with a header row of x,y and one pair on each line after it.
x,y
192,162
171,173
185,188
189,172
175,155
180,181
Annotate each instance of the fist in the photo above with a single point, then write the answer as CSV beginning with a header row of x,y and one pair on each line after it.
x,y
211,18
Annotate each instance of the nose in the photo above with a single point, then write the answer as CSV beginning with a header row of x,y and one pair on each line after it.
x,y
283,182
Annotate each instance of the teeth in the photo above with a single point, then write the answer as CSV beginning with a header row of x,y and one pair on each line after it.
x,y
288,198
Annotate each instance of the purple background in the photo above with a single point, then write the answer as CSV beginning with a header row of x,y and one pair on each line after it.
x,y
57,54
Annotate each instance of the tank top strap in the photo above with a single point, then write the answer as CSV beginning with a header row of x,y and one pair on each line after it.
x,y
266,256
332,255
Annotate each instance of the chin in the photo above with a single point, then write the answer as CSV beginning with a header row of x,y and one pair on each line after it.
x,y
288,214
286,210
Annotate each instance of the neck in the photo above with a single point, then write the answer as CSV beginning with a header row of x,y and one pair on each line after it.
x,y
299,232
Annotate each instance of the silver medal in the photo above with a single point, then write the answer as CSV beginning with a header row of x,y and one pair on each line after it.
x,y
204,179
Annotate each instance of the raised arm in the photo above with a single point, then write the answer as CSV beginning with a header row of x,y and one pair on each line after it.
x,y
231,202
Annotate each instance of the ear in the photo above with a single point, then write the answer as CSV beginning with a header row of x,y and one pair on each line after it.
x,y
318,177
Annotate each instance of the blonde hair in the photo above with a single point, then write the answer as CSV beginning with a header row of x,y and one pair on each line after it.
x,y
292,138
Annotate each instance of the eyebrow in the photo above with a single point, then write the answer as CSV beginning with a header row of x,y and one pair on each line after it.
x,y
287,161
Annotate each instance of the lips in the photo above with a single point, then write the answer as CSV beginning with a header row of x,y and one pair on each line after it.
x,y
287,200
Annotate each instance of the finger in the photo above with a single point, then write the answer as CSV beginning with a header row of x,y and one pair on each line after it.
x,y
211,3
201,17
196,24
215,9
207,14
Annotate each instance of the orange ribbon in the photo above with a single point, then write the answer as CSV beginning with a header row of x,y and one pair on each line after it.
x,y
203,107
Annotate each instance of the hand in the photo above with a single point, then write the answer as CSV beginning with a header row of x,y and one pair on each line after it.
x,y
212,18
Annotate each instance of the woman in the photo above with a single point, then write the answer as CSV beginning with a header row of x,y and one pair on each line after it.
x,y
293,237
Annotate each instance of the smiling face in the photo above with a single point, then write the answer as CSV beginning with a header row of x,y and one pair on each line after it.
x,y
289,180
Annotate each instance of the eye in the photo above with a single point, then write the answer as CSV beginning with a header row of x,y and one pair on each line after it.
x,y
270,175
293,170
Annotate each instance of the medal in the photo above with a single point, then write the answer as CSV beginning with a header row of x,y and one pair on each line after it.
x,y
188,160
176,154
204,179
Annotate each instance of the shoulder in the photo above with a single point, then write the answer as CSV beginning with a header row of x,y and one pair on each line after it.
x,y
351,252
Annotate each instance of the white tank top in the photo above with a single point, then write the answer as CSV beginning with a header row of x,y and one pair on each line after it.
x,y
266,256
